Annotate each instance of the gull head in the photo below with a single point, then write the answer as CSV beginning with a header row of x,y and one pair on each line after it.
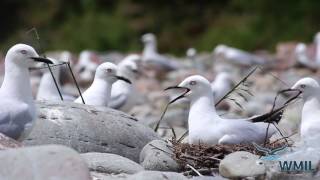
x,y
220,49
109,72
24,56
308,86
128,69
300,48
195,86
191,52
89,60
148,38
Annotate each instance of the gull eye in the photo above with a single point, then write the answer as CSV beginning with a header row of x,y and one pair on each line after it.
x,y
109,70
23,51
192,83
259,162
302,85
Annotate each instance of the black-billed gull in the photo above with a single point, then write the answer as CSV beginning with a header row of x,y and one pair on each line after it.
x,y
206,126
98,94
17,108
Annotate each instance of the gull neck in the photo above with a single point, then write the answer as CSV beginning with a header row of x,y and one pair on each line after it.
x,y
150,47
202,112
101,88
16,83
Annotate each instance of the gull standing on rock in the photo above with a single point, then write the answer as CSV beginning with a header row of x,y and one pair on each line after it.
x,y
151,57
123,95
17,108
98,94
206,126
310,126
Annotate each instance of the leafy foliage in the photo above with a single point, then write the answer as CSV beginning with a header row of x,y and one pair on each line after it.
x,y
109,25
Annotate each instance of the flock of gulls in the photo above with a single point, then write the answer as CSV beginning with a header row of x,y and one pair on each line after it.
x,y
114,86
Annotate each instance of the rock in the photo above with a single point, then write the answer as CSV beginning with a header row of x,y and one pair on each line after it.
x,y
208,178
103,176
306,151
111,163
241,164
143,175
156,175
8,143
43,162
89,129
151,158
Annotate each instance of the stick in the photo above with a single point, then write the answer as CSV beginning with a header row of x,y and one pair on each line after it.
x,y
44,55
55,82
197,172
75,81
239,83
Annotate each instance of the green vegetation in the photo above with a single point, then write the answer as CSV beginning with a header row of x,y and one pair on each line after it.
x,y
117,25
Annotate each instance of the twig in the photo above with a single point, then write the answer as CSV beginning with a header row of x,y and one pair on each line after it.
x,y
283,138
274,76
239,83
75,81
162,115
44,55
183,136
194,170
214,158
161,149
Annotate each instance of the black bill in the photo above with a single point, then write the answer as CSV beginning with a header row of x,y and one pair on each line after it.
x,y
123,79
41,59
179,97
289,92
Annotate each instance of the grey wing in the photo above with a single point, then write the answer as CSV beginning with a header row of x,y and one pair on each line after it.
x,y
12,123
118,101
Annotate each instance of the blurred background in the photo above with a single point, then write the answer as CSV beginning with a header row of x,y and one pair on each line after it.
x,y
118,25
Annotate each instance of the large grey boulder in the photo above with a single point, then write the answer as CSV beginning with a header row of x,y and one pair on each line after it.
x,y
111,163
157,156
89,129
241,164
43,162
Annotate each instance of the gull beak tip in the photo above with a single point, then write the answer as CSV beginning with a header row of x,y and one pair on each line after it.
x,y
124,79
41,59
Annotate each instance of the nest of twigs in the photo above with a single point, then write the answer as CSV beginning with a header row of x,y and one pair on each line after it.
x,y
205,158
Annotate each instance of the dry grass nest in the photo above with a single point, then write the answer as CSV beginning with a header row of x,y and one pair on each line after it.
x,y
205,158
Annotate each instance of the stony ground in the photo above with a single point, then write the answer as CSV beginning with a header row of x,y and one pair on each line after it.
x,y
100,143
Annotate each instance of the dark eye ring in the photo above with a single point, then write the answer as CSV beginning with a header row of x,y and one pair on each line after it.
x,y
23,52
193,83
302,85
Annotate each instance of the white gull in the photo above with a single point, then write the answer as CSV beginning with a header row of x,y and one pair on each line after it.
x,y
98,94
206,126
17,108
